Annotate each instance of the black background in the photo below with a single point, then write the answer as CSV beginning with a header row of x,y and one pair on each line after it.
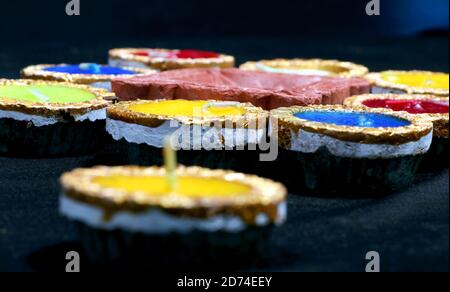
x,y
100,19
409,229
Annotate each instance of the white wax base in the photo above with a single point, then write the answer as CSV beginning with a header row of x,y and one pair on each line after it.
x,y
155,221
40,121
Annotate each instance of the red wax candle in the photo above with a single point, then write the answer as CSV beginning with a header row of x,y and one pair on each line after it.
x,y
412,106
181,54
194,54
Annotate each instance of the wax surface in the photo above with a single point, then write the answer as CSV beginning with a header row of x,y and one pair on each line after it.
x,y
182,54
45,93
187,108
314,72
294,70
434,81
89,69
195,54
353,119
411,106
194,187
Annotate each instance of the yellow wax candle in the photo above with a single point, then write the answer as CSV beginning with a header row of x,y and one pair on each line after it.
x,y
189,186
418,79
189,108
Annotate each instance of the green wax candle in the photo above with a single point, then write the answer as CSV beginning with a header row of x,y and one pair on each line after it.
x,y
46,93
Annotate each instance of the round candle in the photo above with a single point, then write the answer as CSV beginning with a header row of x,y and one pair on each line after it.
x,y
181,54
419,80
411,106
45,93
187,108
194,187
353,119
89,69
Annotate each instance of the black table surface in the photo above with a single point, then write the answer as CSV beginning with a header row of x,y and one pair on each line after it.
x,y
410,229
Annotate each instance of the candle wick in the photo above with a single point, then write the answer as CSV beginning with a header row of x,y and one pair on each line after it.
x,y
170,161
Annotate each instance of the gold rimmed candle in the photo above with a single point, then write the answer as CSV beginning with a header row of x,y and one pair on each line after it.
x,y
209,212
427,107
116,189
216,134
365,150
164,59
313,67
410,82
92,74
49,112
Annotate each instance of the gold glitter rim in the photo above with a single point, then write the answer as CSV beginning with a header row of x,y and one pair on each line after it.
x,y
47,109
287,122
252,117
342,69
377,79
265,197
163,64
440,121
37,72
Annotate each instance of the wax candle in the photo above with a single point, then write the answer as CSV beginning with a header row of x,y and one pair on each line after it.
x,y
165,59
350,151
202,129
426,107
353,119
51,118
314,67
210,214
92,74
410,82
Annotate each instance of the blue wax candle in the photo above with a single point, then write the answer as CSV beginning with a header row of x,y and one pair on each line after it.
x,y
89,68
353,119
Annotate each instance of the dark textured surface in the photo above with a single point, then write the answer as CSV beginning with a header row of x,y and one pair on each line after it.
x,y
438,156
124,251
410,229
20,139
